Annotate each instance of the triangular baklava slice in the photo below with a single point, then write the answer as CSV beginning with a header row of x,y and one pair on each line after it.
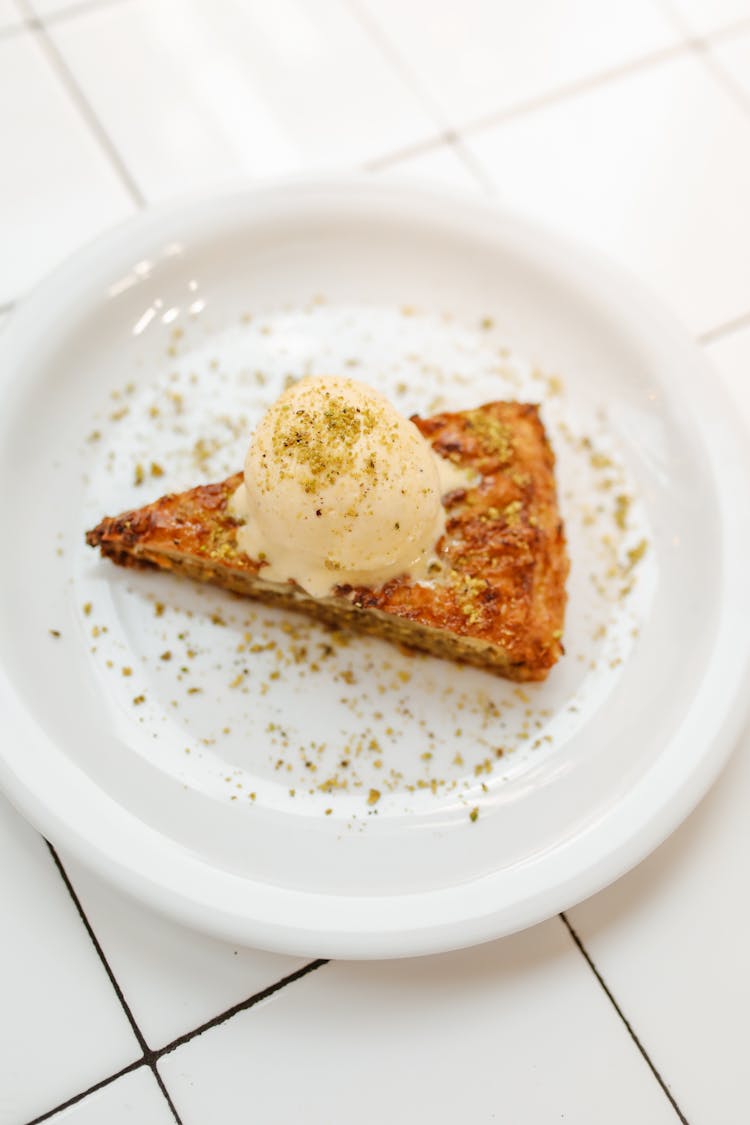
x,y
496,595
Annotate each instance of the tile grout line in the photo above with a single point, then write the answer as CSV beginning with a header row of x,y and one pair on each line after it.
x,y
673,15
81,8
728,328
690,45
681,25
474,166
561,93
628,1026
450,140
149,1058
65,75
85,1093
728,31
690,41
579,86
392,55
78,8
406,152
165,1092
100,952
33,23
243,1006
701,46
719,72
449,136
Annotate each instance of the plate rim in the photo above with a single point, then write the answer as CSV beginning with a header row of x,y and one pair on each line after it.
x,y
389,939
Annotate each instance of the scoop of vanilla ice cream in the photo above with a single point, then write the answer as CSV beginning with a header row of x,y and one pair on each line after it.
x,y
339,488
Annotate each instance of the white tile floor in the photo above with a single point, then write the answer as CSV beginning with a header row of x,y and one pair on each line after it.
x,y
609,120
134,1099
499,57
733,55
61,1008
58,188
445,164
472,1033
172,985
670,940
10,15
226,89
654,169
702,17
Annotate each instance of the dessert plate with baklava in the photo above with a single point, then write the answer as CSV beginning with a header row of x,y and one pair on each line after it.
x,y
373,580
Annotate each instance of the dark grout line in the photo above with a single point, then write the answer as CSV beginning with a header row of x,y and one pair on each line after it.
x,y
573,89
690,44
726,329
582,950
102,957
108,1082
165,1092
85,1093
243,1006
524,108
77,96
446,136
149,1056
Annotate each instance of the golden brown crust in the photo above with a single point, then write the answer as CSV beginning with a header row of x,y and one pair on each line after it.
x,y
499,600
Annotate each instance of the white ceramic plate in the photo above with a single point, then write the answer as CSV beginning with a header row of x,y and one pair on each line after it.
x,y
274,784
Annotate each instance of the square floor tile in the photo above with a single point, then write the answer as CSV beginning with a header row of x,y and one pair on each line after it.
x,y
193,94
134,1099
57,188
489,57
62,1026
671,940
516,1031
10,15
653,169
173,979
